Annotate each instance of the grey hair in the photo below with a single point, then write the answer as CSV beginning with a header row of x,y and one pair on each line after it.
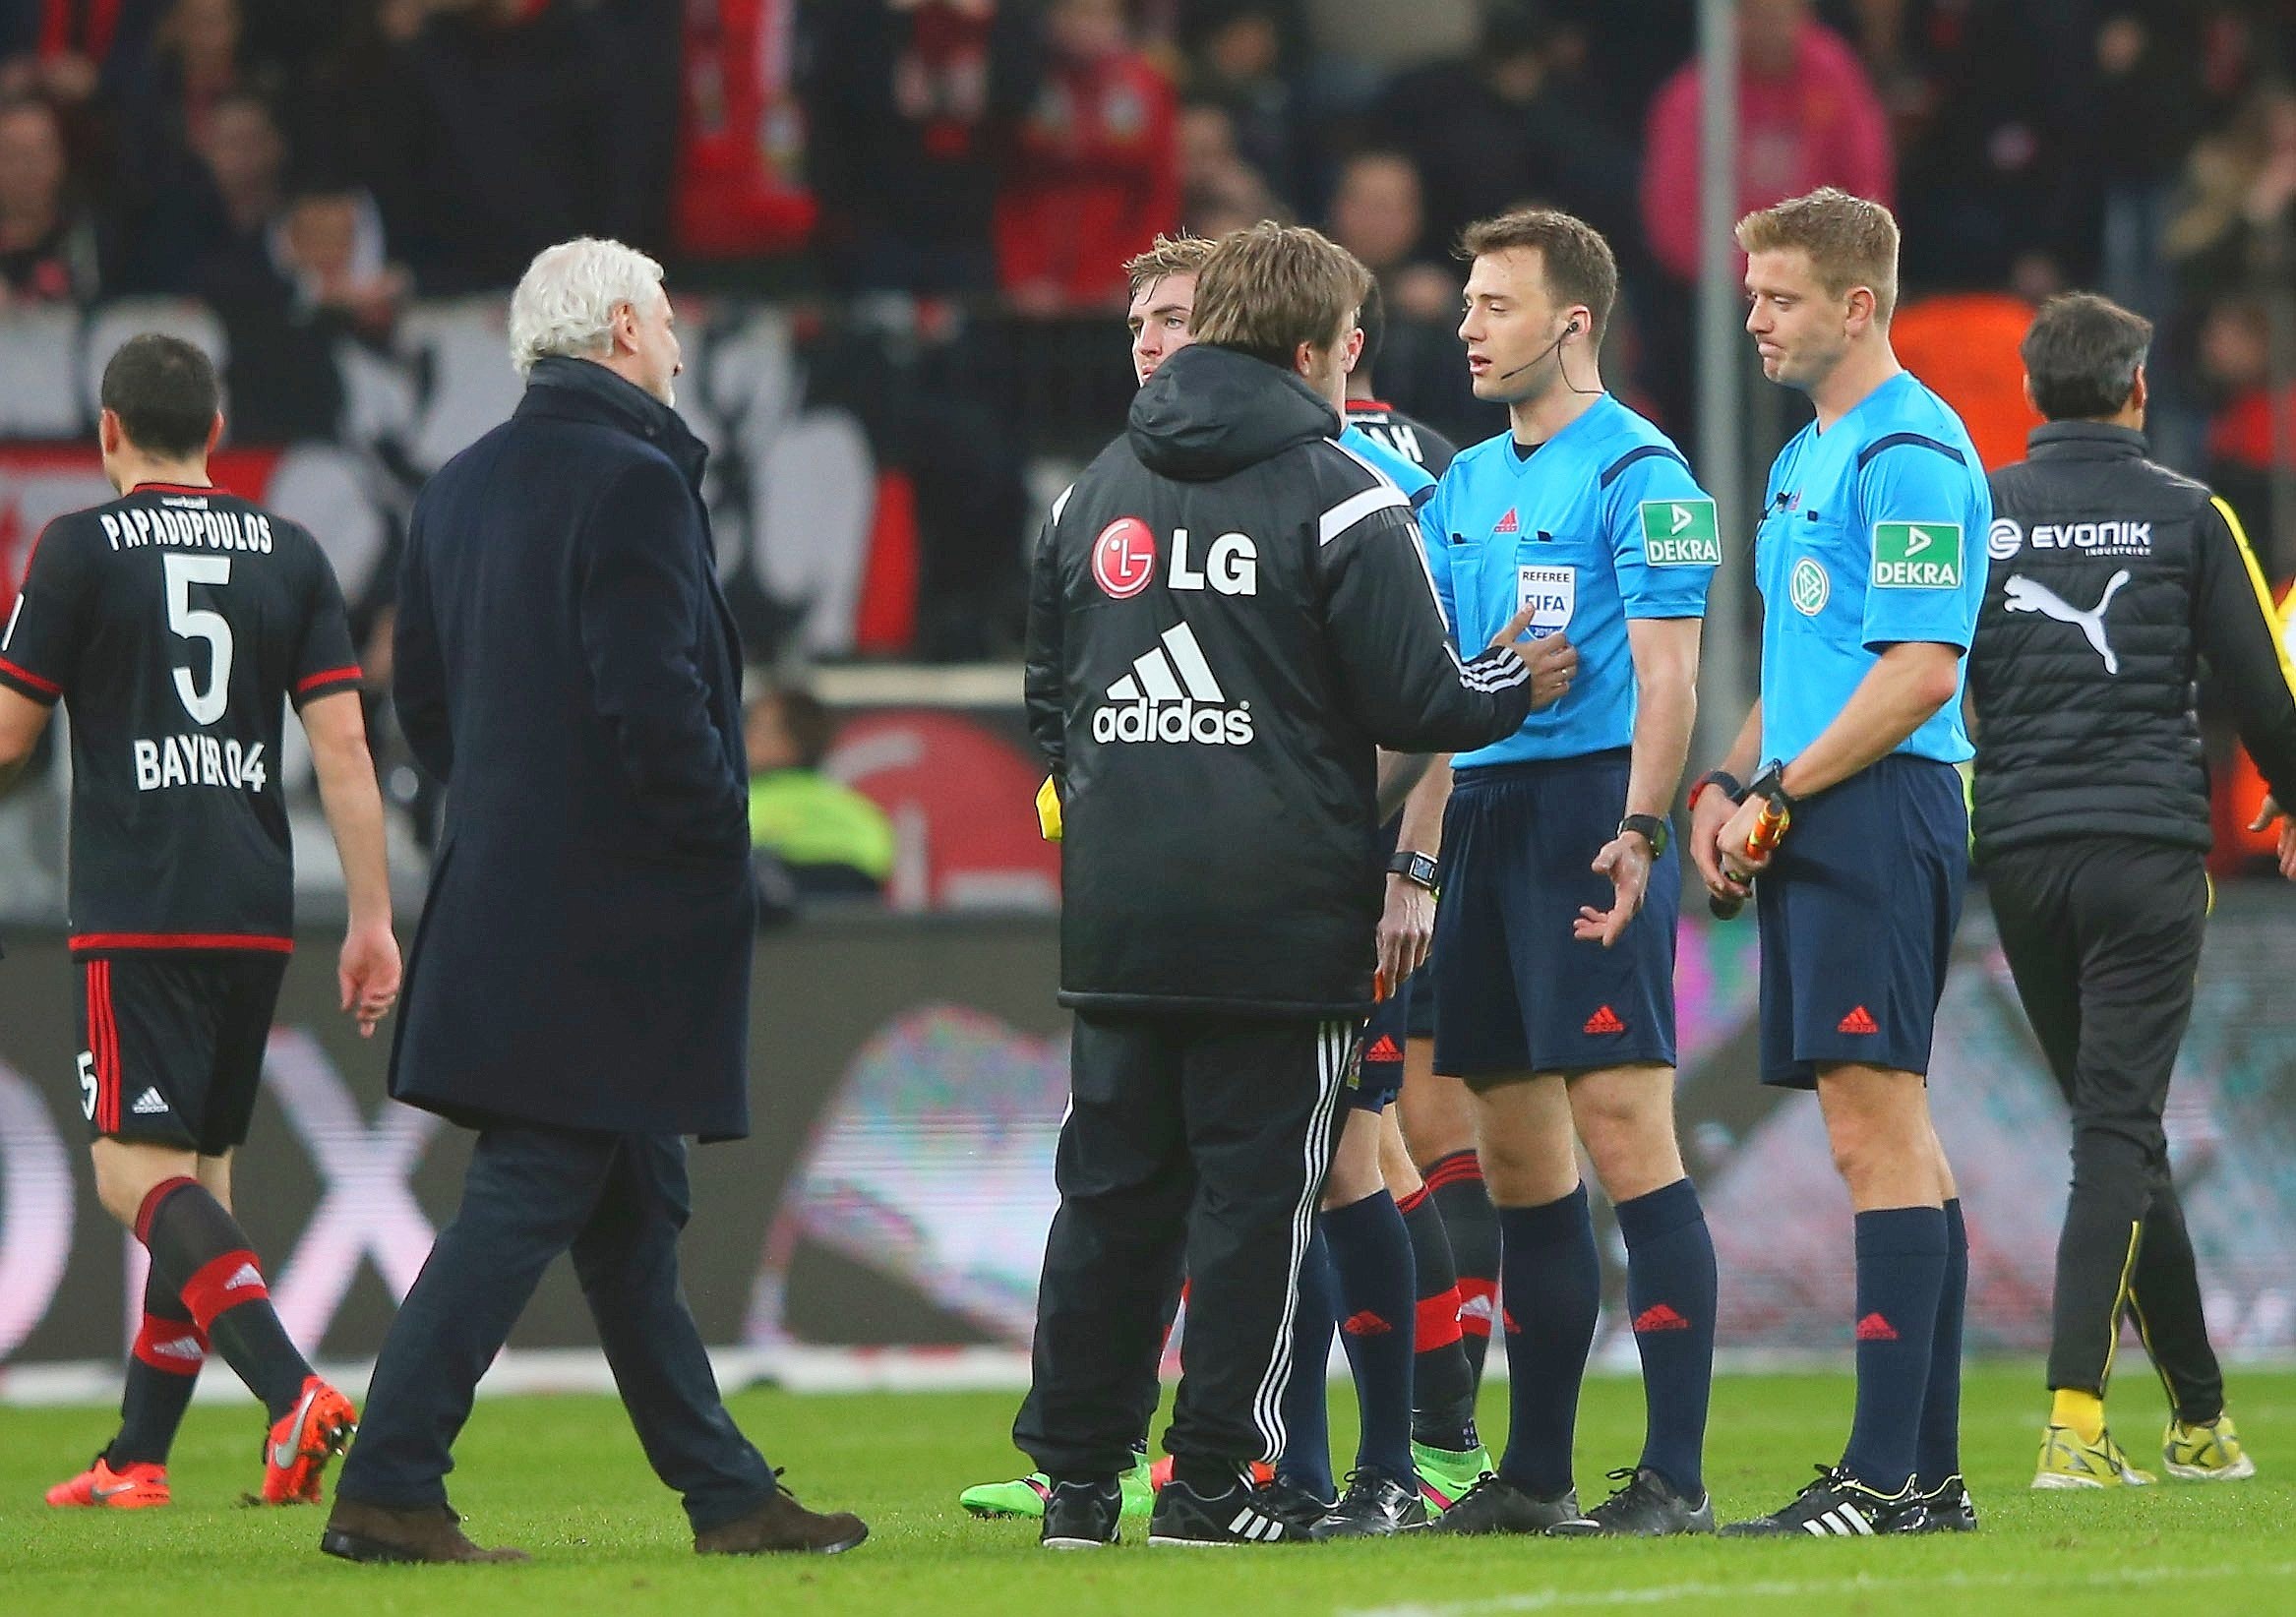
x,y
565,301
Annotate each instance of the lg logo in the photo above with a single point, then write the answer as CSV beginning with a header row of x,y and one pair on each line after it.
x,y
1123,558
1123,562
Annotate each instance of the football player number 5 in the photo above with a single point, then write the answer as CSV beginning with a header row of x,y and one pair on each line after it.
x,y
198,623
87,1083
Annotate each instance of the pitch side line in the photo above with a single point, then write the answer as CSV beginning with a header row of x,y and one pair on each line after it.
x,y
1551,1600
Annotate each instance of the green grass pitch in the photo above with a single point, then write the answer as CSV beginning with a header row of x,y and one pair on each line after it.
x,y
564,1478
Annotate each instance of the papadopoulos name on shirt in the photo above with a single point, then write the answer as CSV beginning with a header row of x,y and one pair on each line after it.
x,y
191,524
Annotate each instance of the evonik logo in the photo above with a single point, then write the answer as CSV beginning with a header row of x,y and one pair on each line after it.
x,y
1171,695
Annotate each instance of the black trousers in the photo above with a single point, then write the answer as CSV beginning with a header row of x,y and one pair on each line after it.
x,y
1190,1141
2103,936
616,1201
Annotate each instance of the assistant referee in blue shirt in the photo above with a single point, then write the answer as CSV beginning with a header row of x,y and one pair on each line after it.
x,y
1871,592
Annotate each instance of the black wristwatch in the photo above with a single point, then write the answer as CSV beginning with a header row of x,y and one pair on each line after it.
x,y
1417,868
1771,784
1653,828
1719,780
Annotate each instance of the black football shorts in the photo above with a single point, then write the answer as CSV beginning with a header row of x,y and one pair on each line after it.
x,y
171,1044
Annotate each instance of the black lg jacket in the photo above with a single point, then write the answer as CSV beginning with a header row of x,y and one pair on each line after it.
x,y
1228,614
2112,579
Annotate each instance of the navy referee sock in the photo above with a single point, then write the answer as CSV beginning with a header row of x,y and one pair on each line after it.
x,y
1371,1254
1938,1452
1305,1461
1670,1300
1901,1275
1551,1279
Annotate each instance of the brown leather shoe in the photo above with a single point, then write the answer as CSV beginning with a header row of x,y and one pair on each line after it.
x,y
377,1533
782,1525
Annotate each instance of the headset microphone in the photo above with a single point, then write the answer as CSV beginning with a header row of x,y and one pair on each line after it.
x,y
1568,331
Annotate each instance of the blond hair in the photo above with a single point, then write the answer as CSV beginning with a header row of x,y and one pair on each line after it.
x,y
1270,287
1181,255
1850,242
1578,263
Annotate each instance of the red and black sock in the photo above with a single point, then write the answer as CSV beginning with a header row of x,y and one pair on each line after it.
x,y
1472,1225
162,1369
199,1250
1443,1382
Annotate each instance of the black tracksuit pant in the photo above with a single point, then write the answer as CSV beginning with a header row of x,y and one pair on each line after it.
x,y
2103,936
1190,1141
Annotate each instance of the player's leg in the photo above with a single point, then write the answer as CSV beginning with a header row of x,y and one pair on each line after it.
x,y
1937,1447
1259,1101
175,1049
164,1368
1370,1257
169,1350
1446,1365
528,1192
1857,913
1494,979
1625,1117
1371,1262
2200,1444
1304,1474
1123,1204
1437,1110
1445,1445
2137,913
1551,1272
627,1260
1608,1018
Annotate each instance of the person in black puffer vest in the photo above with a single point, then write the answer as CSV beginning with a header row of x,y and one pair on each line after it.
x,y
2112,579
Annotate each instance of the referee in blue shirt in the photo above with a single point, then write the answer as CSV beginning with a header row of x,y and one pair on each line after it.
x,y
1871,590
1554,945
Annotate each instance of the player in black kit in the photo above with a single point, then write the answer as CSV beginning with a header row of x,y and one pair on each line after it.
x,y
176,622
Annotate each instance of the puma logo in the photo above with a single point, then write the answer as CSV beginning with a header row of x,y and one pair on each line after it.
x,y
2023,595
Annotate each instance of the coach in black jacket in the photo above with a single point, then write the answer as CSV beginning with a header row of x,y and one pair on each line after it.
x,y
2112,580
580,983
1228,615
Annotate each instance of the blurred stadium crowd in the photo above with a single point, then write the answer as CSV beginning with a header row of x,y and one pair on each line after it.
x,y
896,227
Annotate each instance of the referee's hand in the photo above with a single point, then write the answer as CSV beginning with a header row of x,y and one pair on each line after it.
x,y
1553,660
1734,846
1626,860
1708,817
2269,812
1407,928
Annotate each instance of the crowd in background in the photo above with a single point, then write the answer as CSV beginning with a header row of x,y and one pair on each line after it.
x,y
308,166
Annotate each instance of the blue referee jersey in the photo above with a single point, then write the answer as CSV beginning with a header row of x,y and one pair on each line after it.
x,y
1602,523
1405,473
1866,541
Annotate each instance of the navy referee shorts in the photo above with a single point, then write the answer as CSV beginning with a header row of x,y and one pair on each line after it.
x,y
1858,910
1515,991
